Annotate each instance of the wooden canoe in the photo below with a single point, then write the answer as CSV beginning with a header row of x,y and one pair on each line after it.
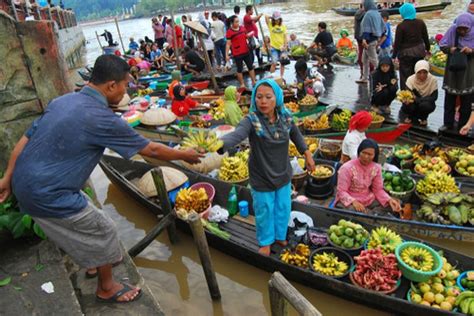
x,y
242,243
350,11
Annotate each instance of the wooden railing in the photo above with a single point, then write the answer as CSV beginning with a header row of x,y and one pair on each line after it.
x,y
30,10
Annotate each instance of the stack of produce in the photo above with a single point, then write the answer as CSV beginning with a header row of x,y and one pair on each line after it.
x,y
347,234
200,123
465,302
376,271
448,209
468,281
376,117
293,106
244,155
454,154
321,171
423,166
298,51
398,182
402,152
437,182
308,100
439,291
312,144
417,258
234,169
439,59
465,165
313,125
143,92
340,121
405,96
384,239
217,109
298,256
188,200
329,264
202,142
347,52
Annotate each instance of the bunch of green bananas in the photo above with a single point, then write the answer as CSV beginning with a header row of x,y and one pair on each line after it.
x,y
465,302
418,258
435,182
340,122
329,264
202,142
233,169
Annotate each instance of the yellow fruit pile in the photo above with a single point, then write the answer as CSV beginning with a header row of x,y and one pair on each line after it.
x,y
309,100
437,182
292,106
418,258
321,123
192,200
376,117
428,164
340,121
201,142
321,172
311,142
217,111
405,96
329,264
465,165
298,257
233,169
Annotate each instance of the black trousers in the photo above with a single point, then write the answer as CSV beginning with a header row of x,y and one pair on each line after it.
x,y
384,97
407,68
419,110
450,109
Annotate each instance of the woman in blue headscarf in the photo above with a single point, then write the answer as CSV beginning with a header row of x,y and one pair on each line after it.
x,y
411,42
269,127
372,29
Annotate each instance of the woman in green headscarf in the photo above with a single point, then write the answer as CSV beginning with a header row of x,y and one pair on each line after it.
x,y
344,41
232,111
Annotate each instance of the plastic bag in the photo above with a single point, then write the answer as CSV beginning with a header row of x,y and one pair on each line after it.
x,y
218,214
296,166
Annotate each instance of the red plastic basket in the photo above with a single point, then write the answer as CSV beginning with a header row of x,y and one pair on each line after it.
x,y
200,85
209,188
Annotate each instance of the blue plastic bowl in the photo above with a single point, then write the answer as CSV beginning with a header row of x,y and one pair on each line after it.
x,y
460,277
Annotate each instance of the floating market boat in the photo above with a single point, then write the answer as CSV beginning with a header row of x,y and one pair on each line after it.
x,y
349,9
242,243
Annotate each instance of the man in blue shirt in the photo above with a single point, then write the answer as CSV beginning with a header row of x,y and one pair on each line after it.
x,y
385,42
132,46
51,162
155,56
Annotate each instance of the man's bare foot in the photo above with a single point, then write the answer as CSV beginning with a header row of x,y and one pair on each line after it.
x,y
265,250
116,293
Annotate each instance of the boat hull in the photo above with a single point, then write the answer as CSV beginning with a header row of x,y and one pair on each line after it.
x,y
395,11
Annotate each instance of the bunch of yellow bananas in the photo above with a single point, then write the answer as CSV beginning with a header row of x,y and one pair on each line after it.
x,y
329,264
298,257
321,123
201,141
234,169
437,182
418,258
405,96
217,111
192,200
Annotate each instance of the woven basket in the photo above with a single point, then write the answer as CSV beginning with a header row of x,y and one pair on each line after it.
x,y
377,124
331,151
321,179
403,196
298,180
243,182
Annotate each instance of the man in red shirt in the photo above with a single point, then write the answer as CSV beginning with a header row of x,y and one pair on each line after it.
x,y
251,26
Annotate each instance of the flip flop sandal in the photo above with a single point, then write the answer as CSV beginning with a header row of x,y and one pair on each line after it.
x,y
114,298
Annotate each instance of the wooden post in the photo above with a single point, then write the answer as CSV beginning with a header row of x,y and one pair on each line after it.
x,y
204,255
151,235
175,40
208,63
98,40
157,176
120,35
282,292
263,34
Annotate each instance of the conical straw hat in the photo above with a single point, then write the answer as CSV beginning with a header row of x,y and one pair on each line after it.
x,y
173,178
158,116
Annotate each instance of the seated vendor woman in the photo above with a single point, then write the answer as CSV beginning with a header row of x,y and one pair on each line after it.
x,y
358,124
360,182
269,127
232,111
181,102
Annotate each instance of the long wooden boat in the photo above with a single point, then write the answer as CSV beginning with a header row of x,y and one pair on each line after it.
x,y
242,243
436,70
350,11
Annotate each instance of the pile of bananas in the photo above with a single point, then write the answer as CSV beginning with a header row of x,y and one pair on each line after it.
x,y
340,122
321,172
144,92
299,256
309,100
385,239
439,59
192,200
321,123
405,96
465,302
311,142
292,106
376,117
244,155
202,142
234,169
418,258
217,109
437,182
329,264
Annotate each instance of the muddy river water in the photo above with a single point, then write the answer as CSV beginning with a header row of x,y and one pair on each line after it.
x,y
173,272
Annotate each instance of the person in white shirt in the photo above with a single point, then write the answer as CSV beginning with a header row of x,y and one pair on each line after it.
x,y
218,27
237,13
358,124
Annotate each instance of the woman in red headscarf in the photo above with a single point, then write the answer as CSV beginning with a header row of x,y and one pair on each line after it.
x,y
358,124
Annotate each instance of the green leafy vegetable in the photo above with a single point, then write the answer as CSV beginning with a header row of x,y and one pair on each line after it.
x,y
5,281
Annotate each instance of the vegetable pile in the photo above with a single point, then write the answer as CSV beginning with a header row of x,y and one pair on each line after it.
x,y
347,234
398,182
447,209
377,272
340,122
